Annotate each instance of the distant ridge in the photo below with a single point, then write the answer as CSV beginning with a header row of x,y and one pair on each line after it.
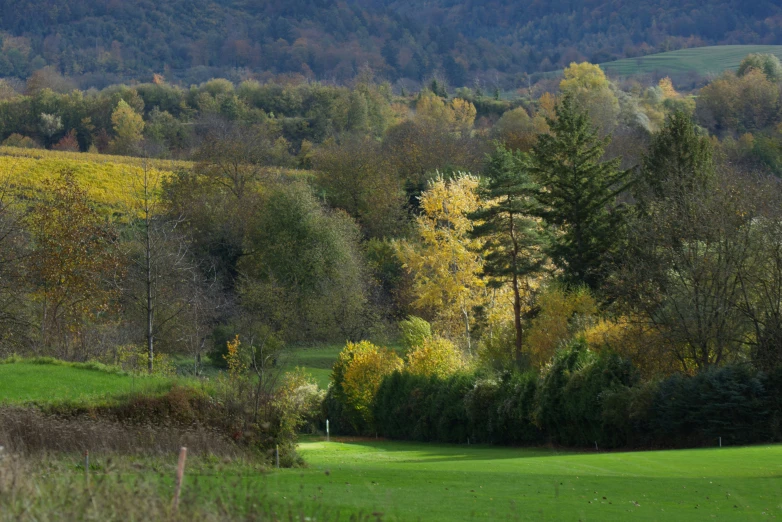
x,y
466,42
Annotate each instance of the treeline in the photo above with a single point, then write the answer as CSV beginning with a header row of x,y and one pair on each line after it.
x,y
316,213
496,43
583,400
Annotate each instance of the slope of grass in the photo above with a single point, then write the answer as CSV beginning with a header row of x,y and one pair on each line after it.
x,y
701,60
112,182
41,382
407,481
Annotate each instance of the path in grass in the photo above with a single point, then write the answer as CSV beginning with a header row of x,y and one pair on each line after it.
x,y
407,481
702,60
27,382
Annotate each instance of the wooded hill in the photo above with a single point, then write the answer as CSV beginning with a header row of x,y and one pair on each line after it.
x,y
494,41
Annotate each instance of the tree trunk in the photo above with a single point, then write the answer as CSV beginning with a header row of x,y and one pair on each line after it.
x,y
519,356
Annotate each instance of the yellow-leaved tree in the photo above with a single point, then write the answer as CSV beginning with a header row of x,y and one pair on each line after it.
x,y
443,263
434,356
457,116
563,314
591,90
356,377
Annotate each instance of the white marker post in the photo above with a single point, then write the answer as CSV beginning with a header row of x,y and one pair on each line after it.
x,y
327,430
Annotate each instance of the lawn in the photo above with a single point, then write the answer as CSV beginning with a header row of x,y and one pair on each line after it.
x,y
31,382
702,60
407,481
316,360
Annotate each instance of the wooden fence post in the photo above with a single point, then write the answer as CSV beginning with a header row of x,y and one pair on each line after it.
x,y
180,475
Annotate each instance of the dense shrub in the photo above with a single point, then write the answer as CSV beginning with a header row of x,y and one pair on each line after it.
x,y
730,402
583,398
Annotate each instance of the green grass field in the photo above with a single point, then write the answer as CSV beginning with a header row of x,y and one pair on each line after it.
x,y
407,481
702,60
31,382
316,360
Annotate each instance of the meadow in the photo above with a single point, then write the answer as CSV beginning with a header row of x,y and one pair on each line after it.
x,y
704,61
43,382
372,479
396,481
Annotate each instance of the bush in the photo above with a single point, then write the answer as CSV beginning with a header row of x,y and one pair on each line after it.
x,y
414,331
356,377
729,402
434,356
22,142
423,408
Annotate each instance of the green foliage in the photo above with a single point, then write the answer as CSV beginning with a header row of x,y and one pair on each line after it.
x,y
511,241
414,331
679,158
305,273
578,192
769,64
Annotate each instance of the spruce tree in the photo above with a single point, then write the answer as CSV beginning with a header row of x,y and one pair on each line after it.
x,y
678,160
511,240
577,195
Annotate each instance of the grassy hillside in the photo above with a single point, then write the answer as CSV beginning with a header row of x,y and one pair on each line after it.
x,y
44,382
701,60
407,481
110,180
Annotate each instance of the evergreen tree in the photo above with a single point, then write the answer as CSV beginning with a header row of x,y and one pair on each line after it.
x,y
511,241
678,160
577,195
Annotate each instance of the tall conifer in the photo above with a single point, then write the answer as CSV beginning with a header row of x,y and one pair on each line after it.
x,y
577,195
511,240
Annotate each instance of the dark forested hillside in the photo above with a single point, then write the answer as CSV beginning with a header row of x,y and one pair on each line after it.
x,y
462,40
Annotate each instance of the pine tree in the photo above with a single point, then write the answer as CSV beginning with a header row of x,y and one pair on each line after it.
x,y
511,241
577,195
678,160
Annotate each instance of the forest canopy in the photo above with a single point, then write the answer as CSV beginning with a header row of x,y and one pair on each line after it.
x,y
488,41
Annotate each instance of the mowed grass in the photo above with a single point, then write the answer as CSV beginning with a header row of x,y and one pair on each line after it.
x,y
408,481
318,360
701,60
42,384
315,360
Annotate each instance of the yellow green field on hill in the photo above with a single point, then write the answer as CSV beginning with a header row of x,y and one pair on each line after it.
x,y
110,181
701,60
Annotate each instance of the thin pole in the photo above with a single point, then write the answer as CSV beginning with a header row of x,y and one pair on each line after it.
x,y
277,454
180,475
87,467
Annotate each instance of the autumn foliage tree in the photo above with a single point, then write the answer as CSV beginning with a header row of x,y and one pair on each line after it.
x,y
443,263
356,377
73,260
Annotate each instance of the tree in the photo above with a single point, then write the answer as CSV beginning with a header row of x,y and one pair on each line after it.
x,y
768,64
357,375
162,280
72,261
128,128
444,266
510,239
434,356
682,271
517,131
356,178
302,273
591,91
743,104
577,194
678,159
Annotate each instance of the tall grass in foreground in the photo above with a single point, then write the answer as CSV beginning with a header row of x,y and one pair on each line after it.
x,y
36,490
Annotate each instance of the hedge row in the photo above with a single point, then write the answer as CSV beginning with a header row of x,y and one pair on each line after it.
x,y
583,399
